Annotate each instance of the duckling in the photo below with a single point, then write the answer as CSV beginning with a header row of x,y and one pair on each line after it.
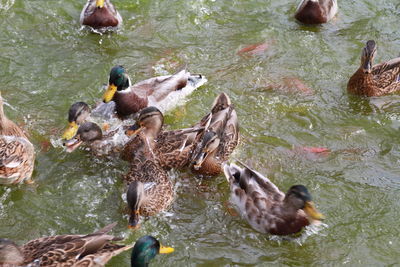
x,y
160,91
100,145
316,11
375,80
91,250
265,207
17,154
100,14
172,148
219,140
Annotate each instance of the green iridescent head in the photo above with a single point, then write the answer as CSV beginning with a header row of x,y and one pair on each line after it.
x,y
118,81
145,249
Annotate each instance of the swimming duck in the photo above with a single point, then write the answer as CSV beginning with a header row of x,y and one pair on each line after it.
x,y
376,80
162,92
145,249
316,11
17,154
150,190
172,148
219,140
100,14
77,114
265,207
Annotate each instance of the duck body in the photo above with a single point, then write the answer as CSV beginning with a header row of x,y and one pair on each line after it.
x,y
220,138
93,250
265,207
172,149
100,14
316,11
17,154
376,80
163,92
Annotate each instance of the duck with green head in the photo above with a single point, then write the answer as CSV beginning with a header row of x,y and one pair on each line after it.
x,y
316,11
100,14
145,249
163,92
265,207
374,80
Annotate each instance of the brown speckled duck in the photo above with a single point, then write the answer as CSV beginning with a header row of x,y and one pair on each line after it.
x,y
100,14
376,80
17,155
172,148
93,250
265,207
162,92
219,139
316,11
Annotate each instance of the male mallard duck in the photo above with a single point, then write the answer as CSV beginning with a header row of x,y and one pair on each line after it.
x,y
160,91
93,250
316,11
150,189
100,14
100,144
173,148
17,154
219,140
375,80
265,207
63,250
77,114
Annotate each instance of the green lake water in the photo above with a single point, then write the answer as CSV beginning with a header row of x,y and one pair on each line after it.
x,y
47,63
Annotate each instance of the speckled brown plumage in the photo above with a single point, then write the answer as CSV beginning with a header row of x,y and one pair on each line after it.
x,y
17,154
375,80
93,250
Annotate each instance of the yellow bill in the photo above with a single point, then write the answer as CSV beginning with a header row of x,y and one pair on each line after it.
x,y
166,250
71,131
109,94
99,3
312,212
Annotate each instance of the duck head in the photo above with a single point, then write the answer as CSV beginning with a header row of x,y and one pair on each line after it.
x,y
118,81
99,3
298,197
367,56
208,146
10,253
87,132
77,114
150,119
145,249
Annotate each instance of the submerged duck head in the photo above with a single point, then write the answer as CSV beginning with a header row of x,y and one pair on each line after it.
x,y
145,249
118,81
367,56
299,198
150,119
87,132
209,144
77,114
10,253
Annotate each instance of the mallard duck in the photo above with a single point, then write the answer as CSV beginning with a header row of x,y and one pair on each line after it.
x,y
77,114
100,14
265,207
93,250
150,189
173,148
219,140
316,11
90,134
376,80
162,92
17,154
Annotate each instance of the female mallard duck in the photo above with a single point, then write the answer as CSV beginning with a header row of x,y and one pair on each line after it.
x,y
265,207
162,92
316,11
173,148
219,140
91,134
376,80
17,154
100,14
93,250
